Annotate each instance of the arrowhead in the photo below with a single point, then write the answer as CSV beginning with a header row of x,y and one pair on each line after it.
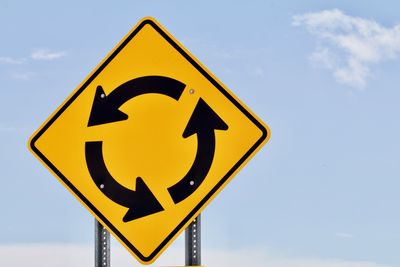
x,y
143,202
103,110
203,119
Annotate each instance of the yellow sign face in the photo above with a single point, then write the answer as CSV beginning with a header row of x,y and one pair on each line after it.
x,y
148,140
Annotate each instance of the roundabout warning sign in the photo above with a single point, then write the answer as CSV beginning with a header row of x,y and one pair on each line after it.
x,y
148,140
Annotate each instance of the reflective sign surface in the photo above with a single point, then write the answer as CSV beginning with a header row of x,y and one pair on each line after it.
x,y
148,140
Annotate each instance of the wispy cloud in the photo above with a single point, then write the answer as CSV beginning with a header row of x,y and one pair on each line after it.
x,y
21,73
259,72
38,54
10,128
12,61
344,235
23,76
82,255
46,54
349,45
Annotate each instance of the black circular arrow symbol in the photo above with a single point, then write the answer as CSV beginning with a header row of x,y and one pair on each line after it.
x,y
105,109
203,122
141,202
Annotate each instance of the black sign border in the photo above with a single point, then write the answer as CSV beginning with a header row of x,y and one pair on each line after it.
x,y
213,190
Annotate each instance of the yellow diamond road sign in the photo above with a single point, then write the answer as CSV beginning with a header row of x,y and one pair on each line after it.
x,y
148,140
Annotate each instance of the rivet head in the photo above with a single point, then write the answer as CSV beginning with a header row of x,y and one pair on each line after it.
x,y
191,91
102,186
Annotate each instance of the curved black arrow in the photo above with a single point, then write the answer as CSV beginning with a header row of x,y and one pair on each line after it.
x,y
140,202
105,109
203,122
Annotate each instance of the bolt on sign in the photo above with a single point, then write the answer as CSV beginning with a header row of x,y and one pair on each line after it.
x,y
148,139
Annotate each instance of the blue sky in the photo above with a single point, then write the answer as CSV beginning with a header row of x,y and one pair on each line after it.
x,y
323,75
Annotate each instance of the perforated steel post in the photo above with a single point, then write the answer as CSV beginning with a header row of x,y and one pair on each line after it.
x,y
102,246
193,243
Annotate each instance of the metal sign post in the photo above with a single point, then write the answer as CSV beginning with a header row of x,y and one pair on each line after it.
x,y
193,243
102,246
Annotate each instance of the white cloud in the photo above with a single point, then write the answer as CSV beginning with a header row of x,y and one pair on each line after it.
x,y
348,45
45,54
23,76
344,235
12,61
323,57
7,128
39,54
259,72
57,255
